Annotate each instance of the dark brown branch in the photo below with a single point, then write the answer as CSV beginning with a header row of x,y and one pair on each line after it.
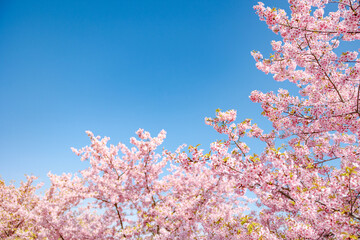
x,y
327,76
315,31
286,195
240,148
118,213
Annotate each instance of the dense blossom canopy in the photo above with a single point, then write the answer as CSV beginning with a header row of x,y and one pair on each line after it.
x,y
306,180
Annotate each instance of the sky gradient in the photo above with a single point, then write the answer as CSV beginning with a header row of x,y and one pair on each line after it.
x,y
115,66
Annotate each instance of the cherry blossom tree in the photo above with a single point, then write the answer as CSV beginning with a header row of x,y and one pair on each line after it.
x,y
16,206
306,179
132,200
309,187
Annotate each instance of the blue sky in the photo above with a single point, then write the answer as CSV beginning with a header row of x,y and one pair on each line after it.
x,y
115,66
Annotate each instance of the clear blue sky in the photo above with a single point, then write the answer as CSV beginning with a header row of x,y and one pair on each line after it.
x,y
115,66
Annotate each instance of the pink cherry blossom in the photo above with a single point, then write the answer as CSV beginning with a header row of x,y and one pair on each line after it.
x,y
306,179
